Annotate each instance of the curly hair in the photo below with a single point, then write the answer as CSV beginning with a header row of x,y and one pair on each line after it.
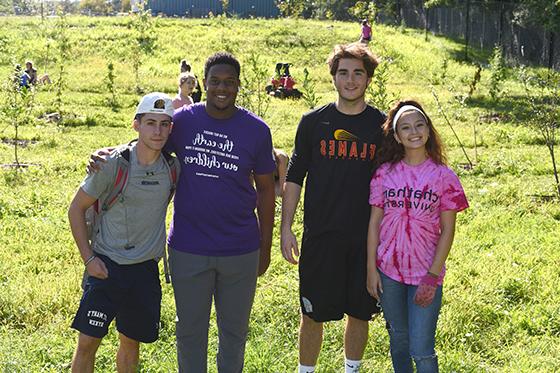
x,y
353,50
393,152
222,58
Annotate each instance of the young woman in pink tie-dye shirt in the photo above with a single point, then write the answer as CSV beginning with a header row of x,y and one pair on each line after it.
x,y
415,198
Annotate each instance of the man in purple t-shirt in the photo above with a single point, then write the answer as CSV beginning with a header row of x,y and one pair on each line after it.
x,y
217,244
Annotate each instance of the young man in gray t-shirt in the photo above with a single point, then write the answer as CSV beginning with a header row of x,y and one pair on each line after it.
x,y
123,276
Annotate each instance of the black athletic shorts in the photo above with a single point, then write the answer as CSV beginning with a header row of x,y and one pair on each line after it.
x,y
131,294
332,278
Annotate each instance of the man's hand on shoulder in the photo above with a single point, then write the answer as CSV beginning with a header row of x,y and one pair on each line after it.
x,y
97,159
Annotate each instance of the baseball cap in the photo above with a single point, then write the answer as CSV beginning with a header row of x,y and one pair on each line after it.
x,y
157,103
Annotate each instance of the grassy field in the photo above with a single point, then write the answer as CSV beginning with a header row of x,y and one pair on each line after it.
x,y
501,310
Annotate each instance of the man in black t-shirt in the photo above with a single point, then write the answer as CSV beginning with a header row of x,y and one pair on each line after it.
x,y
335,147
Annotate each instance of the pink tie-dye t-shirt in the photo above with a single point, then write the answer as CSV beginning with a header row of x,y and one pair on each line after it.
x,y
412,198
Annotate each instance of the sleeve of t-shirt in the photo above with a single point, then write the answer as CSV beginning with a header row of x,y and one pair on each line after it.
x,y
376,188
453,196
264,163
178,119
97,183
301,156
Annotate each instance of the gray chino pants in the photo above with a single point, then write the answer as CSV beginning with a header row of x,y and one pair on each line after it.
x,y
231,281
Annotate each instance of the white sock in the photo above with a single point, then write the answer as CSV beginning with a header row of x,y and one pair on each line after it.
x,y
306,369
352,366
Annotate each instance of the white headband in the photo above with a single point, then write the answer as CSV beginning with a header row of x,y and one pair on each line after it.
x,y
402,110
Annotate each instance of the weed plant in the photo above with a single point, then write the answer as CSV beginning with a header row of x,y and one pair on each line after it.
x,y
377,93
497,72
16,107
63,48
110,86
252,94
542,92
143,41
308,90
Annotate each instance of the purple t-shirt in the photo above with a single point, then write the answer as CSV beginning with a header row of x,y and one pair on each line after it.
x,y
214,207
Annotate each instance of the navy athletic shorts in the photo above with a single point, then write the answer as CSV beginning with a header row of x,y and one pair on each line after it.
x,y
131,294
332,278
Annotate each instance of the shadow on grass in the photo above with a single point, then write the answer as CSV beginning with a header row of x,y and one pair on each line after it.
x,y
457,52
515,107
474,55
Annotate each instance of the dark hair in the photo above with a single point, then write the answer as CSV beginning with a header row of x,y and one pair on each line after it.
x,y
354,50
393,152
185,66
222,58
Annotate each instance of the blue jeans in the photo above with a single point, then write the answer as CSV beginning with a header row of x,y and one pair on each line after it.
x,y
412,328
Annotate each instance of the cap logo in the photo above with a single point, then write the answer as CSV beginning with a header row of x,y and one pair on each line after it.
x,y
159,104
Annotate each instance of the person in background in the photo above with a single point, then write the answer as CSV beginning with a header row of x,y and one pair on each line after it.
x,y
365,36
414,201
21,78
281,159
187,83
196,95
32,72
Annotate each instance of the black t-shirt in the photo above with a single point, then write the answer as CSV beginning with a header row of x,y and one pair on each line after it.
x,y
336,152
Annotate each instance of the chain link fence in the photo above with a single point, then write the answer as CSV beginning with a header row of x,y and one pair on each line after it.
x,y
482,26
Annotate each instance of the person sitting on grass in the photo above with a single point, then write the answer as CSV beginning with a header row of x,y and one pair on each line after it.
x,y
32,72
122,260
187,84
21,78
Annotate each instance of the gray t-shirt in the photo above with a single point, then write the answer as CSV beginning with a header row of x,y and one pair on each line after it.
x,y
133,229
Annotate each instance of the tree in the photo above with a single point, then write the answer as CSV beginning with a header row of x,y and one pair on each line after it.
x,y
6,7
291,8
23,6
100,7
542,94
543,12
16,108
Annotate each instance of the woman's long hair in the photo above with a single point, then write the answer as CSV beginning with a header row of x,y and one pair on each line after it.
x,y
393,152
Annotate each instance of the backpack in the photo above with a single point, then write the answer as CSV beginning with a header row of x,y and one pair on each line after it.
x,y
95,212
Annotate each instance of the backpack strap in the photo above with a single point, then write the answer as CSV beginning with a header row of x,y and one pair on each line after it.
x,y
173,167
121,179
